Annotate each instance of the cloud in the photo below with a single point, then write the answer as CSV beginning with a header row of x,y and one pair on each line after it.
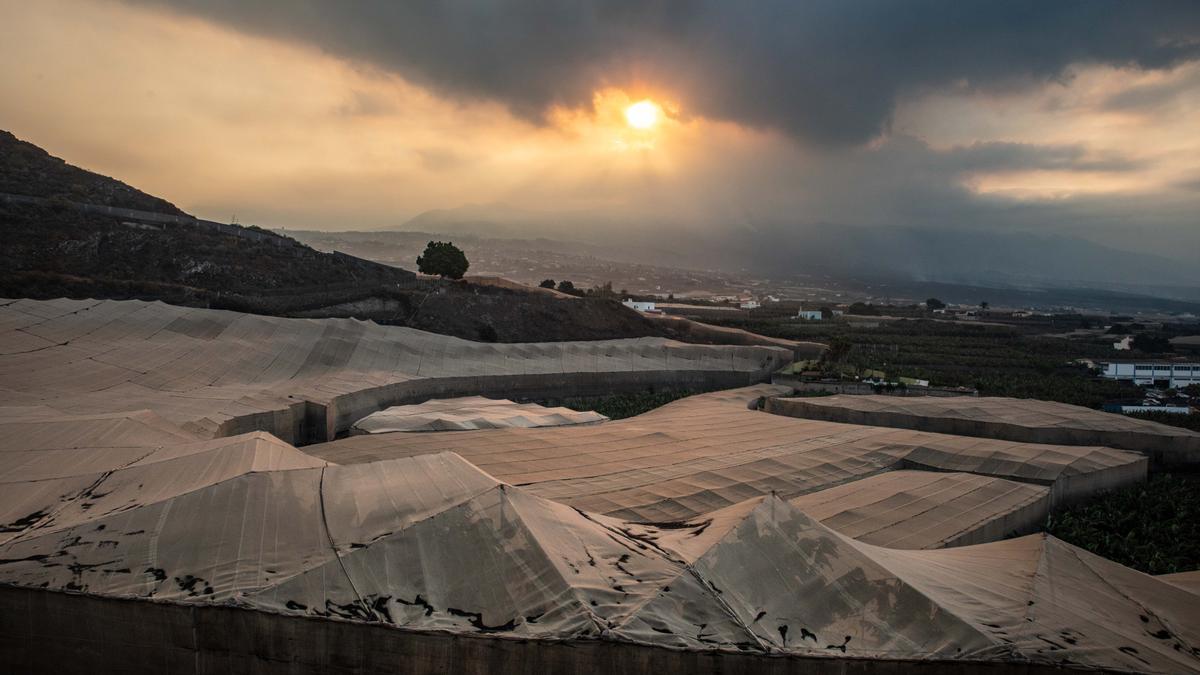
x,y
222,116
827,71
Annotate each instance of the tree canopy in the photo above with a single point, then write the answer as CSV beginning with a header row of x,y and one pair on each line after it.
x,y
443,258
862,309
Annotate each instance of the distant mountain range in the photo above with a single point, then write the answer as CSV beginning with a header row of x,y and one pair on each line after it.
x,y
1007,260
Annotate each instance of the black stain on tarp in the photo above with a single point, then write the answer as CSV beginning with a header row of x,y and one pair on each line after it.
x,y
476,620
1053,645
759,617
29,558
158,573
418,602
380,606
350,610
23,522
806,634
1134,653
783,630
293,605
189,583
841,646
620,564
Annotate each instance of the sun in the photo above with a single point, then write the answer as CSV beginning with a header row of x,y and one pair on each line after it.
x,y
643,114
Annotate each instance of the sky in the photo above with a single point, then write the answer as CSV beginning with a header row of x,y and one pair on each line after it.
x,y
1072,118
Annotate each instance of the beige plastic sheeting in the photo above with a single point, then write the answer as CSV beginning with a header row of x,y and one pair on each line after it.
x,y
1188,581
1013,419
213,539
219,372
431,543
470,412
926,509
707,452
69,498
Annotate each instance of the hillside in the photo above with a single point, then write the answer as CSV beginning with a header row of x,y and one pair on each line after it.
x,y
64,239
26,169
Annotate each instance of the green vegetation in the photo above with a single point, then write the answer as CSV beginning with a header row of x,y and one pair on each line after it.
x,y
443,259
1153,527
621,406
997,360
862,309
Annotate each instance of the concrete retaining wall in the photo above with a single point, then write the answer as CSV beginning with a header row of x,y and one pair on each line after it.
x,y
306,422
52,633
1165,452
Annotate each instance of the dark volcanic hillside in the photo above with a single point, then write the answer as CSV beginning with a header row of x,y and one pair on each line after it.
x,y
63,236
26,169
55,246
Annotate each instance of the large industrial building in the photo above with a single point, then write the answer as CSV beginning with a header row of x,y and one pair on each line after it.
x,y
1173,374
180,495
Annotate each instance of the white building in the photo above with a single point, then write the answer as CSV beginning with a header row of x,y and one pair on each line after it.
x,y
640,306
750,304
810,314
1177,375
1148,405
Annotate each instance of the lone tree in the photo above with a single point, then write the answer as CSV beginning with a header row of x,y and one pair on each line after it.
x,y
546,283
443,259
934,303
566,286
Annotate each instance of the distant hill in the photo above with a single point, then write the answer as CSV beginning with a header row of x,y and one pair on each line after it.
x,y
964,256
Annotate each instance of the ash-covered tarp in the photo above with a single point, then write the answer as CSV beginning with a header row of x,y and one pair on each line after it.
x,y
432,543
710,451
1014,419
219,372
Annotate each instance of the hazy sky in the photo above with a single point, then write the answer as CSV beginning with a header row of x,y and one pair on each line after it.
x,y
1065,117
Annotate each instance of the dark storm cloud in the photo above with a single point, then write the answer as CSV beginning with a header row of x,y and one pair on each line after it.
x,y
828,71
1005,156
1150,98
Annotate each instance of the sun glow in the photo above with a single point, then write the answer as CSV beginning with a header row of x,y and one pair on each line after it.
x,y
642,115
